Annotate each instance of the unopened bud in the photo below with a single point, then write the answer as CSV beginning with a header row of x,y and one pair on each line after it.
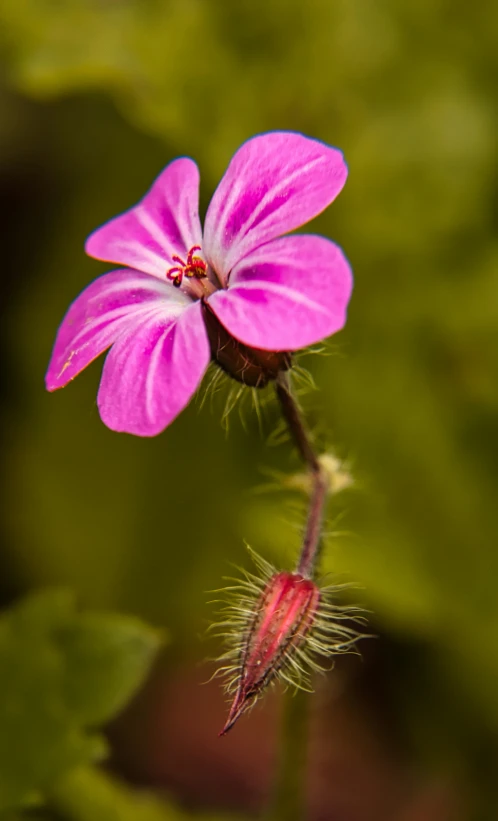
x,y
275,628
283,615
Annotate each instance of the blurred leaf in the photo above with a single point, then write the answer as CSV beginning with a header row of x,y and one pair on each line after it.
x,y
60,671
111,653
258,64
86,794
89,795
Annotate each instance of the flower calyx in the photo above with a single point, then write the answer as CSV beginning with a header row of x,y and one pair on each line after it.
x,y
254,367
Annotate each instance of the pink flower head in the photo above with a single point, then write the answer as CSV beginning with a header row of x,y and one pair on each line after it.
x,y
262,290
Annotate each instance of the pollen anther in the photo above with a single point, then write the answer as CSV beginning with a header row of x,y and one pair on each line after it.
x,y
193,267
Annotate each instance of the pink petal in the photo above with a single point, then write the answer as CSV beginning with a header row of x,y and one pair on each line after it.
x,y
165,222
150,376
287,294
274,183
107,307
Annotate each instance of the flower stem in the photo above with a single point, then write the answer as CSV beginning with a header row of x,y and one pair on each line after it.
x,y
290,793
289,799
292,415
319,482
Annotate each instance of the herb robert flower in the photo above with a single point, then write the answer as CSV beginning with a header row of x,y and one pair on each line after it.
x,y
238,292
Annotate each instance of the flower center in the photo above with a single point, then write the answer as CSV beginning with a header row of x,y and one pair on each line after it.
x,y
193,267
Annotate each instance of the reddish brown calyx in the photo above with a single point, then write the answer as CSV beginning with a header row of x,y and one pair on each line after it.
x,y
253,367
283,615
193,267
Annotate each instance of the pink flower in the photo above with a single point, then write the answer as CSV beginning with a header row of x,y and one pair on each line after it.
x,y
261,290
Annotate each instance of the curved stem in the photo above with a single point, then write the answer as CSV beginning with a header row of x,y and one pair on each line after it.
x,y
319,482
292,415
290,792
313,531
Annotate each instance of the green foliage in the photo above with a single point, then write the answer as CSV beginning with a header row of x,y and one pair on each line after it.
x,y
89,795
111,654
61,674
135,49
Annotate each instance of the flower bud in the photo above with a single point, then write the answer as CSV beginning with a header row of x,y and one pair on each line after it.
x,y
253,367
282,617
275,626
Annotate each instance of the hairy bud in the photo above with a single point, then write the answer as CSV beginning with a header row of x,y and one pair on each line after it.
x,y
276,625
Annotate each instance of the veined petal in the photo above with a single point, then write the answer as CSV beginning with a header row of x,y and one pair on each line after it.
x,y
150,376
274,183
164,223
108,307
286,294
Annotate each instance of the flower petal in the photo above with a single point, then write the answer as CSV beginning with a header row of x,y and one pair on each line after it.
x,y
274,183
286,294
165,222
150,376
108,306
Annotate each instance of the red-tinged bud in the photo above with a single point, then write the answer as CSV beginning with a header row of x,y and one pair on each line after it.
x,y
253,367
276,625
283,616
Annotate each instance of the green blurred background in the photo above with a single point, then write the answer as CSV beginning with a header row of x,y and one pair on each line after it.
x,y
96,96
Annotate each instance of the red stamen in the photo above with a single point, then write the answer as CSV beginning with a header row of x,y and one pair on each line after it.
x,y
176,275
190,254
193,267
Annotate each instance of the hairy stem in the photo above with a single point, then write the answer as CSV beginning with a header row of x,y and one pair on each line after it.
x,y
313,531
289,798
319,482
292,415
